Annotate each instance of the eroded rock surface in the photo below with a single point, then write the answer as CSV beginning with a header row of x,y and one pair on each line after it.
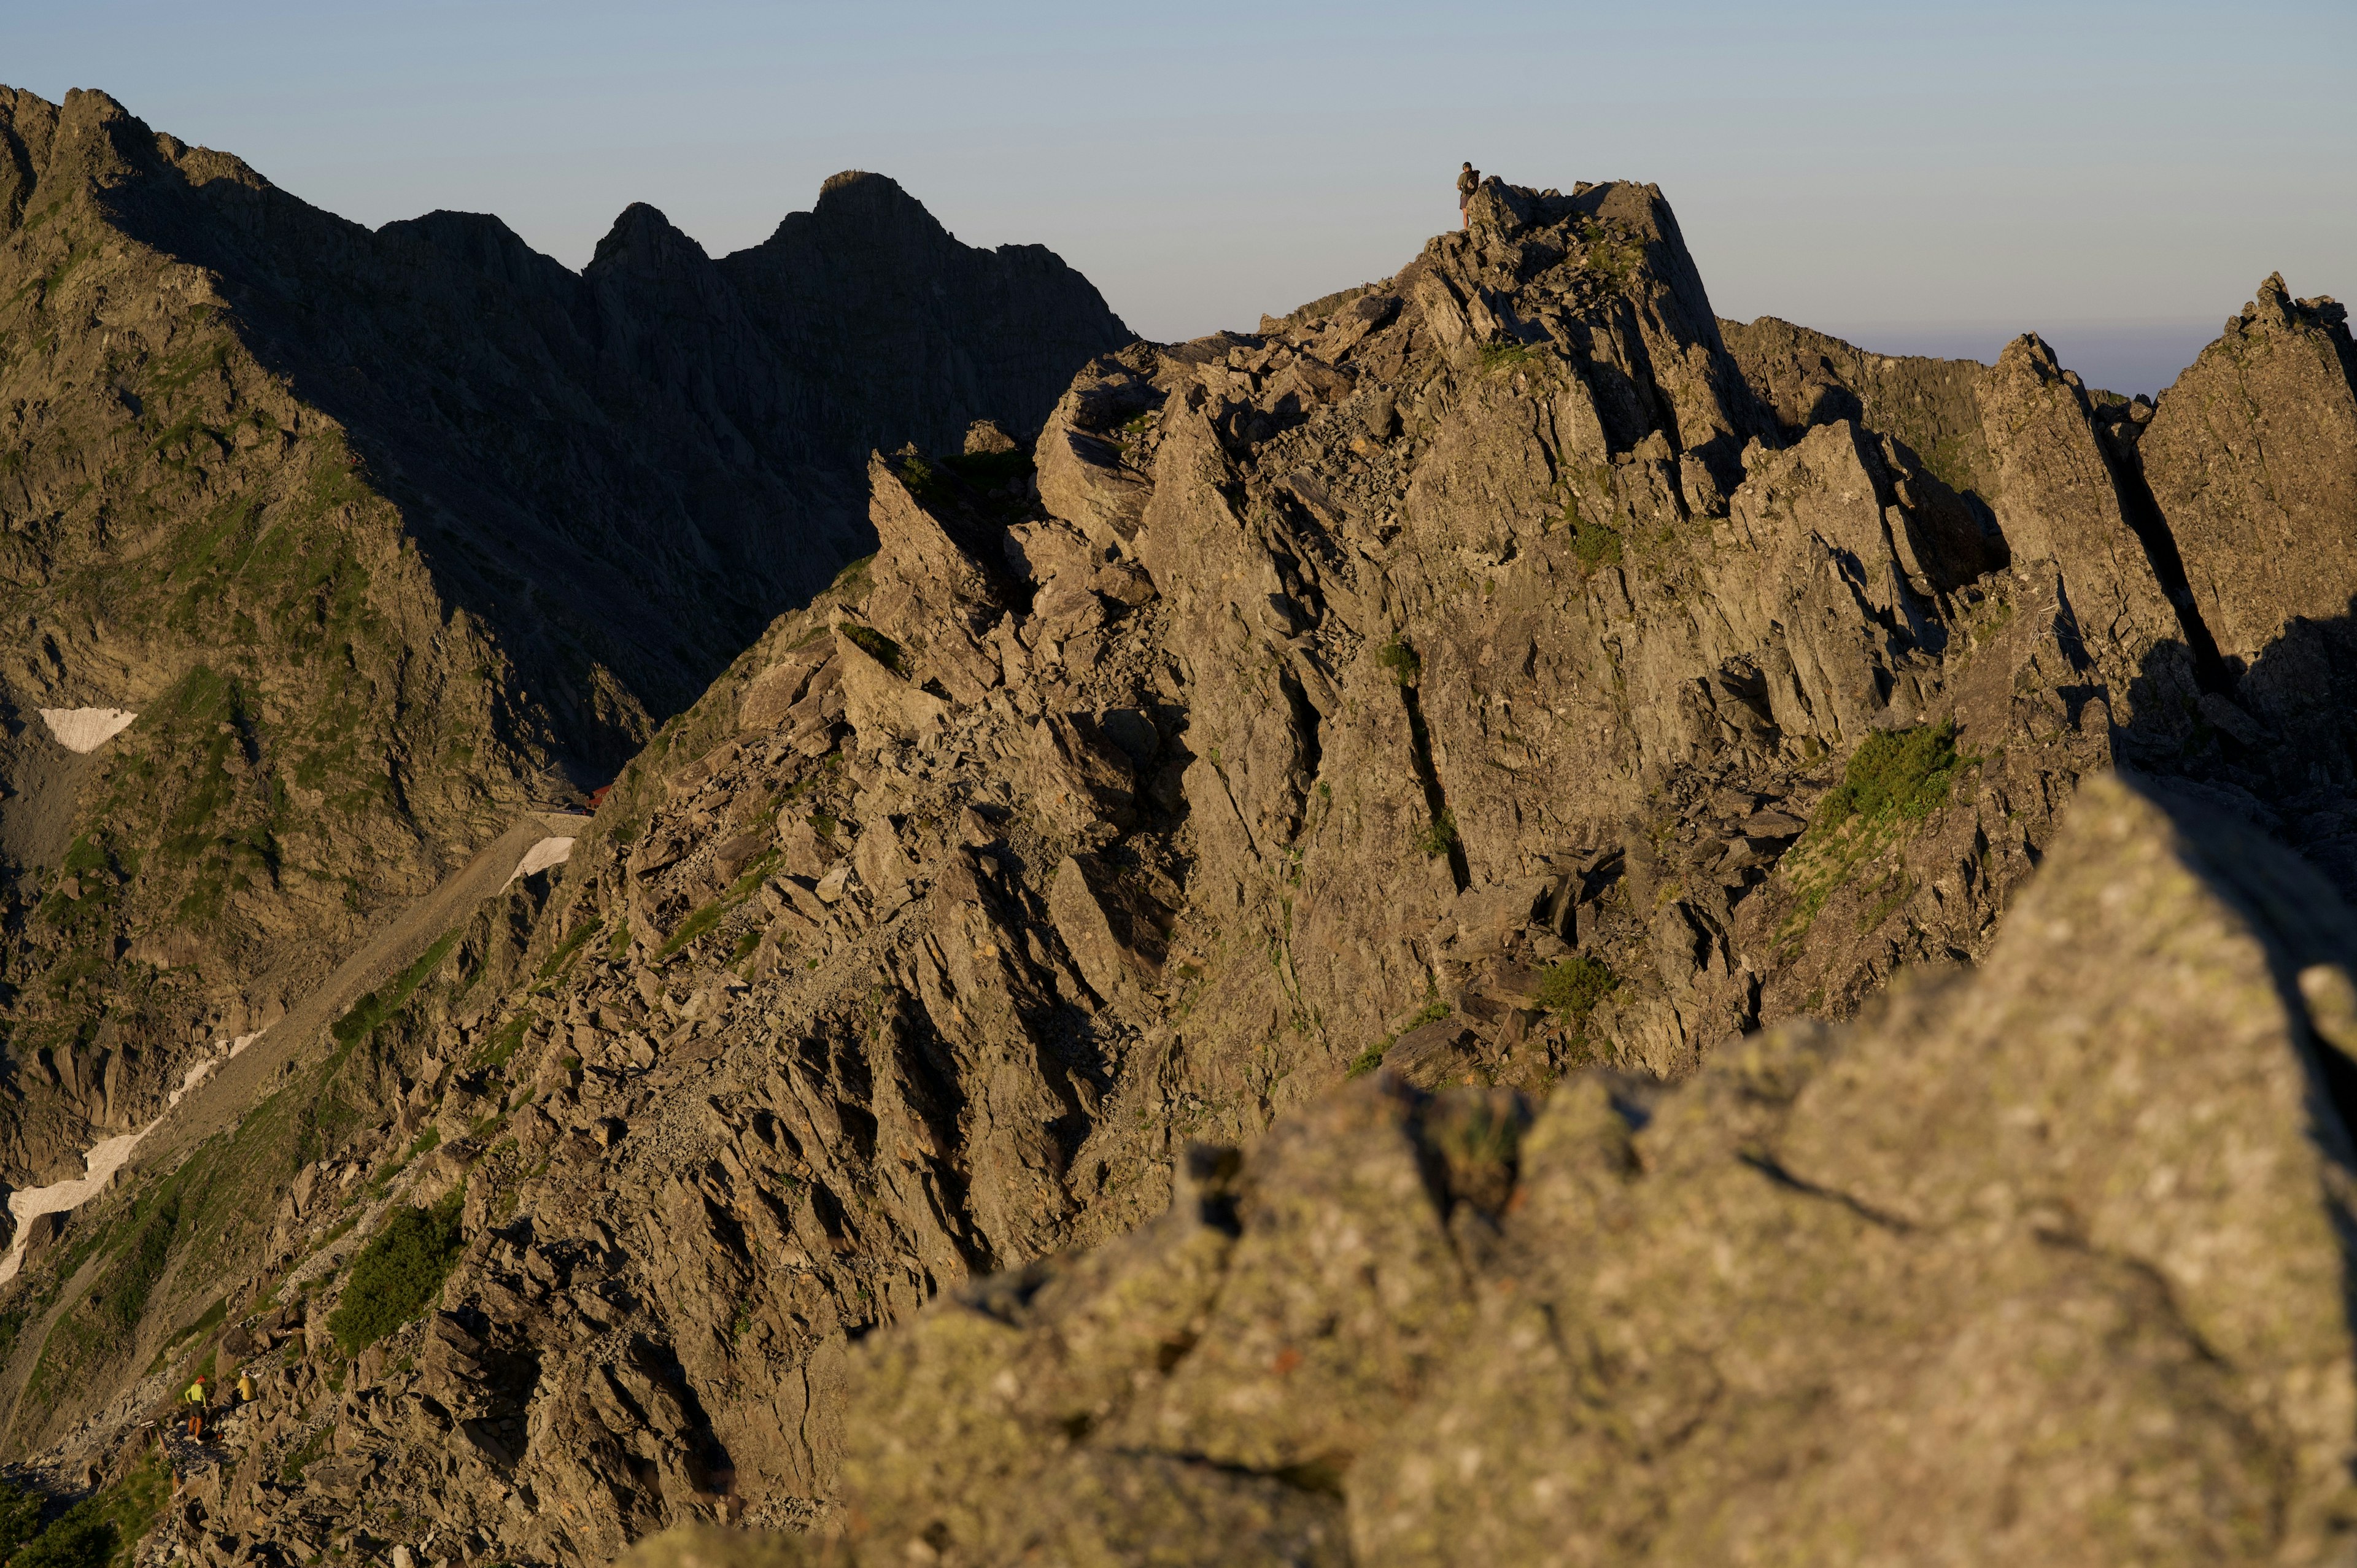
x,y
1400,745
2043,1261
386,535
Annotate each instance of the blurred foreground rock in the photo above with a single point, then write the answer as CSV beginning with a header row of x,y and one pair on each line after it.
x,y
2045,1262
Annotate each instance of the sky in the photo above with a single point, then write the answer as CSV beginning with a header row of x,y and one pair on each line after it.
x,y
1918,178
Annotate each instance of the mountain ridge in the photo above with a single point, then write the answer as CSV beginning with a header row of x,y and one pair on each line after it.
x,y
1176,982
412,527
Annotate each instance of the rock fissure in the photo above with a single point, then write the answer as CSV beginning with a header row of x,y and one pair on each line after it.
x,y
1441,826
1768,1166
2167,564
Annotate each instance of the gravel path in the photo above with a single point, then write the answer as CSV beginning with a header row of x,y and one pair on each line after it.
x,y
218,1102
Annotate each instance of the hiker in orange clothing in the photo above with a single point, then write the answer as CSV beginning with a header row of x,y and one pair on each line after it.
x,y
196,1397
1469,181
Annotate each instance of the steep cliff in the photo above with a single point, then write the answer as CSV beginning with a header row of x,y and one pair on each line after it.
x,y
2042,1261
1371,827
384,536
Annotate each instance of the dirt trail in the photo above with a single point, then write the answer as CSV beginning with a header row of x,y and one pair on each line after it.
x,y
219,1101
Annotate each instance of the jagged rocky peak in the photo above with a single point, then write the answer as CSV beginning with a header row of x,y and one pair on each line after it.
x,y
485,242
1236,989
857,196
955,330
857,208
2201,536
2255,448
1608,257
383,538
645,241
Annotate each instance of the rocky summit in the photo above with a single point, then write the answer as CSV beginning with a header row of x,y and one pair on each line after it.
x,y
1499,922
384,539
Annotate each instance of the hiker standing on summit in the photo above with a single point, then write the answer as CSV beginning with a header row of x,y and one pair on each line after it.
x,y
1469,181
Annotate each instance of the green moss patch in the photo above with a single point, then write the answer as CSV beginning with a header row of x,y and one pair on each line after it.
x,y
1892,781
1595,546
989,469
1399,656
104,1529
502,1047
374,1008
306,1454
702,922
1440,837
20,1516
398,1273
1896,776
1570,988
570,945
1366,1061
874,643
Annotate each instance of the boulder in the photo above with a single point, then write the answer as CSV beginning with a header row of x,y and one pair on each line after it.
x,y
1085,479
988,438
2065,1231
1077,777
771,695
880,703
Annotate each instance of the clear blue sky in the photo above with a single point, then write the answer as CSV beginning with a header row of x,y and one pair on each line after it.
x,y
1921,179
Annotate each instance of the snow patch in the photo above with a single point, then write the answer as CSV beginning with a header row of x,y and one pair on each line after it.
x,y
28,1204
99,1165
188,1081
86,729
223,1050
540,857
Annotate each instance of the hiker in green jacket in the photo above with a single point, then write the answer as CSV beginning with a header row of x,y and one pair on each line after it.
x,y
196,1398
1469,181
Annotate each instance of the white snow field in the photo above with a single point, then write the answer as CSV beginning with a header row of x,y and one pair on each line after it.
x,y
540,857
29,1203
86,729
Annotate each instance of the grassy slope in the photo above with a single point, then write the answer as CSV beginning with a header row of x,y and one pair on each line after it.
x,y
314,736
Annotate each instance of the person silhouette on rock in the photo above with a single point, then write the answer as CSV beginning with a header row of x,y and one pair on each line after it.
x,y
1469,181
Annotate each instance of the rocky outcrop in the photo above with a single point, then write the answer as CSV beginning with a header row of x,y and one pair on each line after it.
x,y
2177,554
2046,1260
2251,459
2059,504
1931,406
2253,456
1088,475
1407,745
384,534
2019,445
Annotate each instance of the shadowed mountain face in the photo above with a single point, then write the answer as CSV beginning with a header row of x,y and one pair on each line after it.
x,y
634,468
382,534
